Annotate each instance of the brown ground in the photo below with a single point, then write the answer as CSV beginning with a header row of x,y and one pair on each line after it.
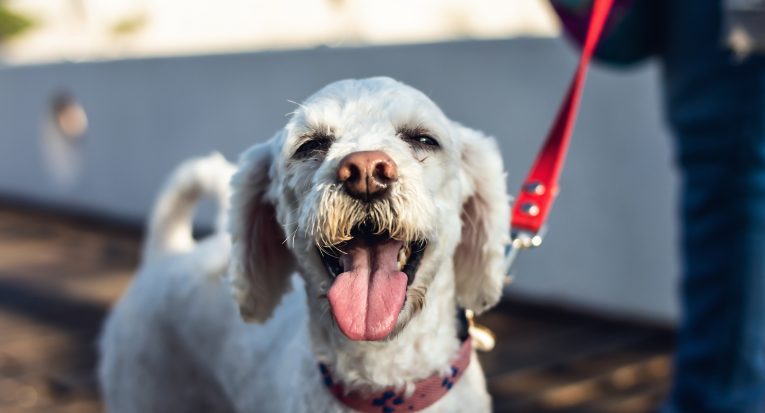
x,y
59,275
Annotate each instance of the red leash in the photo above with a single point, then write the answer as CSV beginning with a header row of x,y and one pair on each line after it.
x,y
533,204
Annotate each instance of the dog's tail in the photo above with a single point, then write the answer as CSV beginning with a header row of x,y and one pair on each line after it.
x,y
170,224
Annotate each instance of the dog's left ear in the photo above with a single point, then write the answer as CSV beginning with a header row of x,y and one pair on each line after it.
x,y
479,262
261,264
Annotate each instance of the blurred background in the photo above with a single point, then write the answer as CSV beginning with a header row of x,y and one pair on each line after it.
x,y
100,99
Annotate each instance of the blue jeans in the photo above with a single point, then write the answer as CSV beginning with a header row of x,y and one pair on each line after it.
x,y
716,107
720,363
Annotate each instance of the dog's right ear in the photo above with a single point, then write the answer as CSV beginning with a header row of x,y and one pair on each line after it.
x,y
261,264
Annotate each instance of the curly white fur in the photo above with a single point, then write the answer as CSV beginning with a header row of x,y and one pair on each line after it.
x,y
176,342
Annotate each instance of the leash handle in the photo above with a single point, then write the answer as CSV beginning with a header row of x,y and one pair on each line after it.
x,y
533,204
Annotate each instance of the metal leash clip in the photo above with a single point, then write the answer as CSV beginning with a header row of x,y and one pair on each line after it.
x,y
521,240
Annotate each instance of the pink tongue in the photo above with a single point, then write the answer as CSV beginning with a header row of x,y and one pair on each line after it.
x,y
368,296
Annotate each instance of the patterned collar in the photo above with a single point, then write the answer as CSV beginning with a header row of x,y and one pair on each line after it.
x,y
426,391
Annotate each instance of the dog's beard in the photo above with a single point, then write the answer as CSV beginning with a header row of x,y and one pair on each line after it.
x,y
332,219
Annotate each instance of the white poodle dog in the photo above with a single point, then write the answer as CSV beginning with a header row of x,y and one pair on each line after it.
x,y
393,219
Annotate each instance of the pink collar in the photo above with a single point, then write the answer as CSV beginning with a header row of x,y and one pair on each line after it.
x,y
426,391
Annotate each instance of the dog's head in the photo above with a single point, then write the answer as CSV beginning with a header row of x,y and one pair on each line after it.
x,y
371,193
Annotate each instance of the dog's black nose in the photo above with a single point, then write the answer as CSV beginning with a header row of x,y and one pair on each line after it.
x,y
367,175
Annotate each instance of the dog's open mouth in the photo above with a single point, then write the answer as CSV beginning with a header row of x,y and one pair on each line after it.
x,y
371,273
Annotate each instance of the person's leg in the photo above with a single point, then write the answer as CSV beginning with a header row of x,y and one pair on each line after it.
x,y
720,361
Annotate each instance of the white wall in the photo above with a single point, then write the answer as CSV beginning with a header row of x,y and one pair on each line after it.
x,y
611,243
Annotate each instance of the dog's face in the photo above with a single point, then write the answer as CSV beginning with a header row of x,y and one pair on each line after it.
x,y
370,192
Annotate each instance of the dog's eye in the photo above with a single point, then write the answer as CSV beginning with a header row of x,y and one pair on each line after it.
x,y
425,140
318,145
422,141
419,138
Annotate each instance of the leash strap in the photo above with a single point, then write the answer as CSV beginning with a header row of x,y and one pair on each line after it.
x,y
533,204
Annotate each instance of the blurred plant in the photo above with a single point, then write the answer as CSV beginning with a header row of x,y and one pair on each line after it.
x,y
129,25
13,23
338,4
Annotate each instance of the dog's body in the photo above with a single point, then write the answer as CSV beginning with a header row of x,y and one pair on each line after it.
x,y
177,343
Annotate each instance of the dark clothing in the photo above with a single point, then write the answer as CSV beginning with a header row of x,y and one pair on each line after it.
x,y
715,106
